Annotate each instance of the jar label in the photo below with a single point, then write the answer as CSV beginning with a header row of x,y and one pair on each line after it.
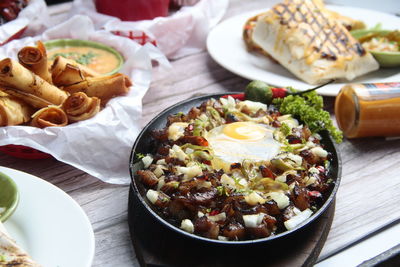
x,y
377,91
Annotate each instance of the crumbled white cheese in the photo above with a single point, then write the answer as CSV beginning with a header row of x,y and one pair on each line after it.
x,y
253,220
176,130
280,198
152,195
298,219
187,226
219,217
319,151
147,160
200,214
254,198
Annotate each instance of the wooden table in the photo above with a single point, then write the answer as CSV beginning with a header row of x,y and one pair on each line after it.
x,y
367,199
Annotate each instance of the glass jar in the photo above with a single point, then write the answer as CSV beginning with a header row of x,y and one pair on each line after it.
x,y
371,109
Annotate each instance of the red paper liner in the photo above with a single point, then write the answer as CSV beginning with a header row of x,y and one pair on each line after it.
x,y
23,152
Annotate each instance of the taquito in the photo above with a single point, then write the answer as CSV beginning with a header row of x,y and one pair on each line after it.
x,y
49,116
79,107
60,63
13,111
15,77
67,76
35,60
104,87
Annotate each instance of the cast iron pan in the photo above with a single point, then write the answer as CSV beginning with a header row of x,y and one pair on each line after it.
x,y
144,145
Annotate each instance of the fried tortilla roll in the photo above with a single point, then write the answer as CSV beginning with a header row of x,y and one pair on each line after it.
x,y
104,87
49,116
79,107
35,60
13,111
67,76
61,63
22,83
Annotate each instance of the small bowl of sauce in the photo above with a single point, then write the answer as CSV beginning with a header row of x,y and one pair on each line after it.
x,y
384,45
99,57
9,197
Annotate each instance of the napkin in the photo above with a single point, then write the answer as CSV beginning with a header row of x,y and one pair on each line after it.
x,y
34,16
177,35
100,146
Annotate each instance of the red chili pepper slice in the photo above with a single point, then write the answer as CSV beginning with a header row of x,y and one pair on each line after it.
x,y
279,92
214,212
314,194
240,97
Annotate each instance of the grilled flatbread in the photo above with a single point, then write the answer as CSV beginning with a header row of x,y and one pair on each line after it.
x,y
304,37
11,254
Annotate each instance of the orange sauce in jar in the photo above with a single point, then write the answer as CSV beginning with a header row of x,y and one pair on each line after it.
x,y
363,110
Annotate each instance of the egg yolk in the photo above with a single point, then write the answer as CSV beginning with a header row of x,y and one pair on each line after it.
x,y
244,131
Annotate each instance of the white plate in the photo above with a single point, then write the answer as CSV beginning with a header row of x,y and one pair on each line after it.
x,y
226,46
49,224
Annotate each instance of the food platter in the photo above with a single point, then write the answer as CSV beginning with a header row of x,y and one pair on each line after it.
x,y
226,46
49,224
144,145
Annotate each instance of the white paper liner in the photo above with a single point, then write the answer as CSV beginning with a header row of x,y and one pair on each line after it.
x,y
34,16
178,35
100,146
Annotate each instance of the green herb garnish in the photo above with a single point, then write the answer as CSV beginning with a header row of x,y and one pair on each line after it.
x,y
84,59
308,108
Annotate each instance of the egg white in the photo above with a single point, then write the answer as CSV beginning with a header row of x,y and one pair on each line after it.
x,y
235,142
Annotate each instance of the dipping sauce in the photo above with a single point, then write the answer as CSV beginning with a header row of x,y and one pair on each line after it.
x,y
369,109
100,60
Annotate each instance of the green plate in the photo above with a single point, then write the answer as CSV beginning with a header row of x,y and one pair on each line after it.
x,y
60,43
385,59
9,196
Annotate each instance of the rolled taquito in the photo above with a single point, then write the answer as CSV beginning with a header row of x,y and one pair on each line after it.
x,y
60,63
35,60
104,87
67,76
21,82
13,111
49,116
79,107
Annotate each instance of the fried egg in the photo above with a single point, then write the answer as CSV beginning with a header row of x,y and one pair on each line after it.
x,y
237,141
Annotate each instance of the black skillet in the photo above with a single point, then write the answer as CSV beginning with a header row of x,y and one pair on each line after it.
x,y
144,145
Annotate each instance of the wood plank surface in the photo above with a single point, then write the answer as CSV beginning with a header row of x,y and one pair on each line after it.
x,y
366,201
